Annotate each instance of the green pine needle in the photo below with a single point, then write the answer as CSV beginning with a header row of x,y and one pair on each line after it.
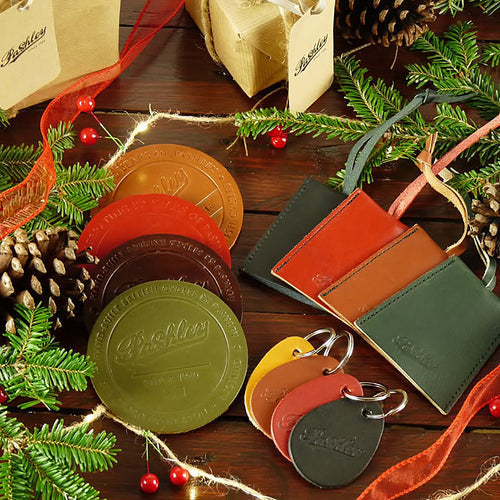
x,y
473,181
4,121
456,6
33,367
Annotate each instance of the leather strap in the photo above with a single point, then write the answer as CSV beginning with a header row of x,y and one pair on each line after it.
x,y
361,151
403,201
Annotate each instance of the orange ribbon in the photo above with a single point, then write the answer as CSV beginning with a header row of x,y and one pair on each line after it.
x,y
21,203
412,473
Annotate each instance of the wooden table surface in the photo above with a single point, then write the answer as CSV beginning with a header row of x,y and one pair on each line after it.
x,y
176,73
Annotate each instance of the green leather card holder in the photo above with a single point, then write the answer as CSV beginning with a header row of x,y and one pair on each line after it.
x,y
308,207
438,331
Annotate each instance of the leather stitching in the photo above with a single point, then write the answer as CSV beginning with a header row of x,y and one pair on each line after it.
x,y
273,226
390,301
372,259
323,224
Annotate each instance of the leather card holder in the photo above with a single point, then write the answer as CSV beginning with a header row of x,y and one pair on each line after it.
x,y
438,332
350,234
309,206
393,267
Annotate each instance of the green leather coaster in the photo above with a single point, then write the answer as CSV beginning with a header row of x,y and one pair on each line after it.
x,y
170,356
308,207
439,331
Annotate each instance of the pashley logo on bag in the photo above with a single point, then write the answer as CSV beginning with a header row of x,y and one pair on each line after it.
x,y
29,43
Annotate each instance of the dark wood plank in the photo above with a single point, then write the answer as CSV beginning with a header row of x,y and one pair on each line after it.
x,y
236,449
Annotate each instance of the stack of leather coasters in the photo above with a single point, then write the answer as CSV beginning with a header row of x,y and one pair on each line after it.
x,y
165,311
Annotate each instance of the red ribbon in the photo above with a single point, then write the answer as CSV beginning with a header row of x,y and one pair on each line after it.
x,y
412,473
21,203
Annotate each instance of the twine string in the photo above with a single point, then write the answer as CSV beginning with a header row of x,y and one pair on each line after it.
x,y
168,455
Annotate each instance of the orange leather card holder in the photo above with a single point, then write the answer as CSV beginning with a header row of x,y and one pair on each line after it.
x,y
389,270
350,234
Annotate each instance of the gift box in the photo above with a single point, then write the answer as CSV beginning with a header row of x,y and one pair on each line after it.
x,y
249,37
87,36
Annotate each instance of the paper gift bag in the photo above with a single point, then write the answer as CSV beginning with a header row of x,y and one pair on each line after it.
x,y
87,34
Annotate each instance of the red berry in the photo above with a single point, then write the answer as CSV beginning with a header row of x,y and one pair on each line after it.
x,y
494,407
85,104
279,141
3,396
278,130
150,483
179,476
88,136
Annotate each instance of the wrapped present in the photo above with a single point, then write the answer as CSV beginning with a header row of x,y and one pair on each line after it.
x,y
249,37
87,34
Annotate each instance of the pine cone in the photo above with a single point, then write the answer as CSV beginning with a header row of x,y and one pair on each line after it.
x,y
384,21
45,269
486,220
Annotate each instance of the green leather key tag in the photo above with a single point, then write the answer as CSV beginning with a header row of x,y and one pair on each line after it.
x,y
333,444
305,398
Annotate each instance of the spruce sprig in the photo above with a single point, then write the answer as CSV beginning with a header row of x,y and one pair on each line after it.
x,y
44,463
456,6
473,181
454,67
32,366
76,190
4,121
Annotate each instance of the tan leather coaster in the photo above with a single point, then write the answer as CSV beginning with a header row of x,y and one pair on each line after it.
x,y
386,272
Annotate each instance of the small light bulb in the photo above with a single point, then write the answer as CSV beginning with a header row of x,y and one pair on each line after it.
x,y
193,493
193,473
142,126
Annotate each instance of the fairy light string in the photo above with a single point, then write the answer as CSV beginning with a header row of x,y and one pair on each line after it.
x,y
168,455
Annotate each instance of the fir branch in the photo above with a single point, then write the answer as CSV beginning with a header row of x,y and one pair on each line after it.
x,y
33,367
260,121
60,139
45,463
77,189
4,121
75,447
50,481
456,6
491,54
454,67
473,181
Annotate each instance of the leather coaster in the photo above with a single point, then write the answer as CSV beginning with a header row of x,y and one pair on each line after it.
x,y
438,332
309,206
382,275
350,234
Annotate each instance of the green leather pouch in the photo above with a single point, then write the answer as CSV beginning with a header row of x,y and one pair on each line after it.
x,y
438,331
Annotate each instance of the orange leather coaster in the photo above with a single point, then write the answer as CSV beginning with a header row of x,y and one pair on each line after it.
x,y
382,275
350,234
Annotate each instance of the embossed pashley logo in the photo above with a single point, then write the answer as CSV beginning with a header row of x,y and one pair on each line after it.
x,y
140,347
409,347
311,55
320,438
14,53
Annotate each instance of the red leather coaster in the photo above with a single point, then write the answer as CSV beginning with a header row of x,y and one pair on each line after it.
x,y
376,279
350,234
276,384
145,214
305,398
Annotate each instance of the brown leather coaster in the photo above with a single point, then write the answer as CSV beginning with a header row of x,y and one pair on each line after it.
x,y
161,256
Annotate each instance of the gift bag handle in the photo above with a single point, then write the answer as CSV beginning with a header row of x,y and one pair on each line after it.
x,y
361,151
